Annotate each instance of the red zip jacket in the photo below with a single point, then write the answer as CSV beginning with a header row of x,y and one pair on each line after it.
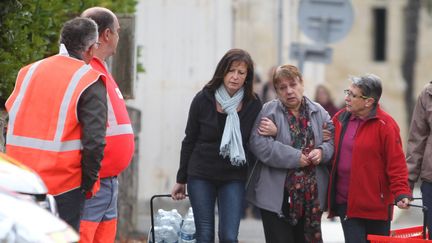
x,y
378,170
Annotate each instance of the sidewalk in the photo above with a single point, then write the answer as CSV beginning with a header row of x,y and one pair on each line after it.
x,y
251,230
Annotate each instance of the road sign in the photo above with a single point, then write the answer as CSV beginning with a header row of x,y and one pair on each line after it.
x,y
325,21
310,53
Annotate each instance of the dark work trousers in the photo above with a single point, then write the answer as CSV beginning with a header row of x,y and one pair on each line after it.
x,y
356,229
426,190
70,206
279,230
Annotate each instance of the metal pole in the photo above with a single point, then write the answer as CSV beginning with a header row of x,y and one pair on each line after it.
x,y
279,33
301,59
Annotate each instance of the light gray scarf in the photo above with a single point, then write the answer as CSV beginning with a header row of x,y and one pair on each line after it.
x,y
231,144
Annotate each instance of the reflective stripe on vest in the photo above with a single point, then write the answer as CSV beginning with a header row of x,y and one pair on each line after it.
x,y
114,128
55,145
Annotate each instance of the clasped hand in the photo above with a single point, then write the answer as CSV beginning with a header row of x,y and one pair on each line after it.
x,y
314,157
268,128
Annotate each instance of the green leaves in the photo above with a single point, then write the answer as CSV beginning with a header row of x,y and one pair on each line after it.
x,y
29,30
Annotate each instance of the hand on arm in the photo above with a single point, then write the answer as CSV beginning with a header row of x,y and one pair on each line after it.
x,y
327,134
267,127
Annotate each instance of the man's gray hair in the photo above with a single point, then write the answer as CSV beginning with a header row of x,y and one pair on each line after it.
x,y
78,35
370,85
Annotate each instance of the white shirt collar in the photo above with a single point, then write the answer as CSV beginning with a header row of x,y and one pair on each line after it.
x,y
63,51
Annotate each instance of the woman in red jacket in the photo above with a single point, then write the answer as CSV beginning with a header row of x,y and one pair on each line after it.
x,y
369,171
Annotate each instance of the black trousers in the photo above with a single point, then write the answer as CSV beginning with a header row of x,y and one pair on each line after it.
x,y
279,230
70,206
356,229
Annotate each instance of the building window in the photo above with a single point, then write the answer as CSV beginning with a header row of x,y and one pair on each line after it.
x,y
379,34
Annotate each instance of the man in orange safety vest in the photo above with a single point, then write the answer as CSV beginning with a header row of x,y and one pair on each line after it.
x,y
57,119
99,219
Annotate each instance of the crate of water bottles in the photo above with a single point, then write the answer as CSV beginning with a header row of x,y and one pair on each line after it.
x,y
169,226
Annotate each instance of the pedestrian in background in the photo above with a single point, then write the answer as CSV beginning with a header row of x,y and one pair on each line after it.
x,y
369,171
57,119
267,90
289,183
324,98
419,150
99,218
214,155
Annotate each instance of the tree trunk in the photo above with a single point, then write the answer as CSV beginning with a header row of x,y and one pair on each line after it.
x,y
411,15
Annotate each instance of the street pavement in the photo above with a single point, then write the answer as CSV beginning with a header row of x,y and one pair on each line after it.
x,y
251,230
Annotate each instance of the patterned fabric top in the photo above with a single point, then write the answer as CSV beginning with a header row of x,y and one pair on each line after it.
x,y
300,184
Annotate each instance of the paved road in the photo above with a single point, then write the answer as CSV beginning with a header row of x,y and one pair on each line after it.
x,y
251,230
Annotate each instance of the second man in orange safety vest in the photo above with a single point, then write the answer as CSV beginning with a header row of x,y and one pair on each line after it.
x,y
99,220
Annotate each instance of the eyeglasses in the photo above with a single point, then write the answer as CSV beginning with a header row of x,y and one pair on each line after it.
x,y
97,44
350,94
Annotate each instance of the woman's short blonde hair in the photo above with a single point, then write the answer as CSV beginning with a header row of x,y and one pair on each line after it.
x,y
286,71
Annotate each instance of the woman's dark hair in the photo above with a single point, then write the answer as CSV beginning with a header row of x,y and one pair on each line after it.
x,y
234,55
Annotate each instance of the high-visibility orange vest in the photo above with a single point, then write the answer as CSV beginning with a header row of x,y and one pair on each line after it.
x,y
43,130
120,143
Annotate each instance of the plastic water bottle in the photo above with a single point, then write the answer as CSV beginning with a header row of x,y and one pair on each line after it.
x,y
158,235
170,235
187,232
169,218
176,220
159,215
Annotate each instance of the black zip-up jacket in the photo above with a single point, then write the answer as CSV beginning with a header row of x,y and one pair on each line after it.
x,y
92,114
200,148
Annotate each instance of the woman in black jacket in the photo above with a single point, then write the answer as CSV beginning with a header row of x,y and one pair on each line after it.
x,y
214,154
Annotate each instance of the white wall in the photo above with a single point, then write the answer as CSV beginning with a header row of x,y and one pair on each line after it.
x,y
256,30
181,42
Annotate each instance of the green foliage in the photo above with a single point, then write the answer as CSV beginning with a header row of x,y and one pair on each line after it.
x,y
29,30
139,67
